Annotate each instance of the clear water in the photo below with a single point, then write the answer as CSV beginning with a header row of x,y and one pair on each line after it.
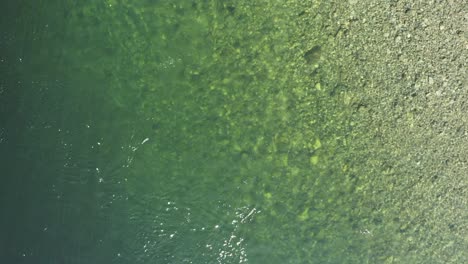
x,y
174,132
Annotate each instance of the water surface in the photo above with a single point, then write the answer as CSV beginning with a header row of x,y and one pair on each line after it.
x,y
174,132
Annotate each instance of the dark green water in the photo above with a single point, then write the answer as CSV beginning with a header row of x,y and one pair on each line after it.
x,y
174,132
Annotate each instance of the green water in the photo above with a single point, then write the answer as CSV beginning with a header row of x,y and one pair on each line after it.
x,y
176,132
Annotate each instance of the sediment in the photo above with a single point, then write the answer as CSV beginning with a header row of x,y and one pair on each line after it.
x,y
403,66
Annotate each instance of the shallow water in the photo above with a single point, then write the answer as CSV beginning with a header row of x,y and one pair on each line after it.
x,y
162,132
